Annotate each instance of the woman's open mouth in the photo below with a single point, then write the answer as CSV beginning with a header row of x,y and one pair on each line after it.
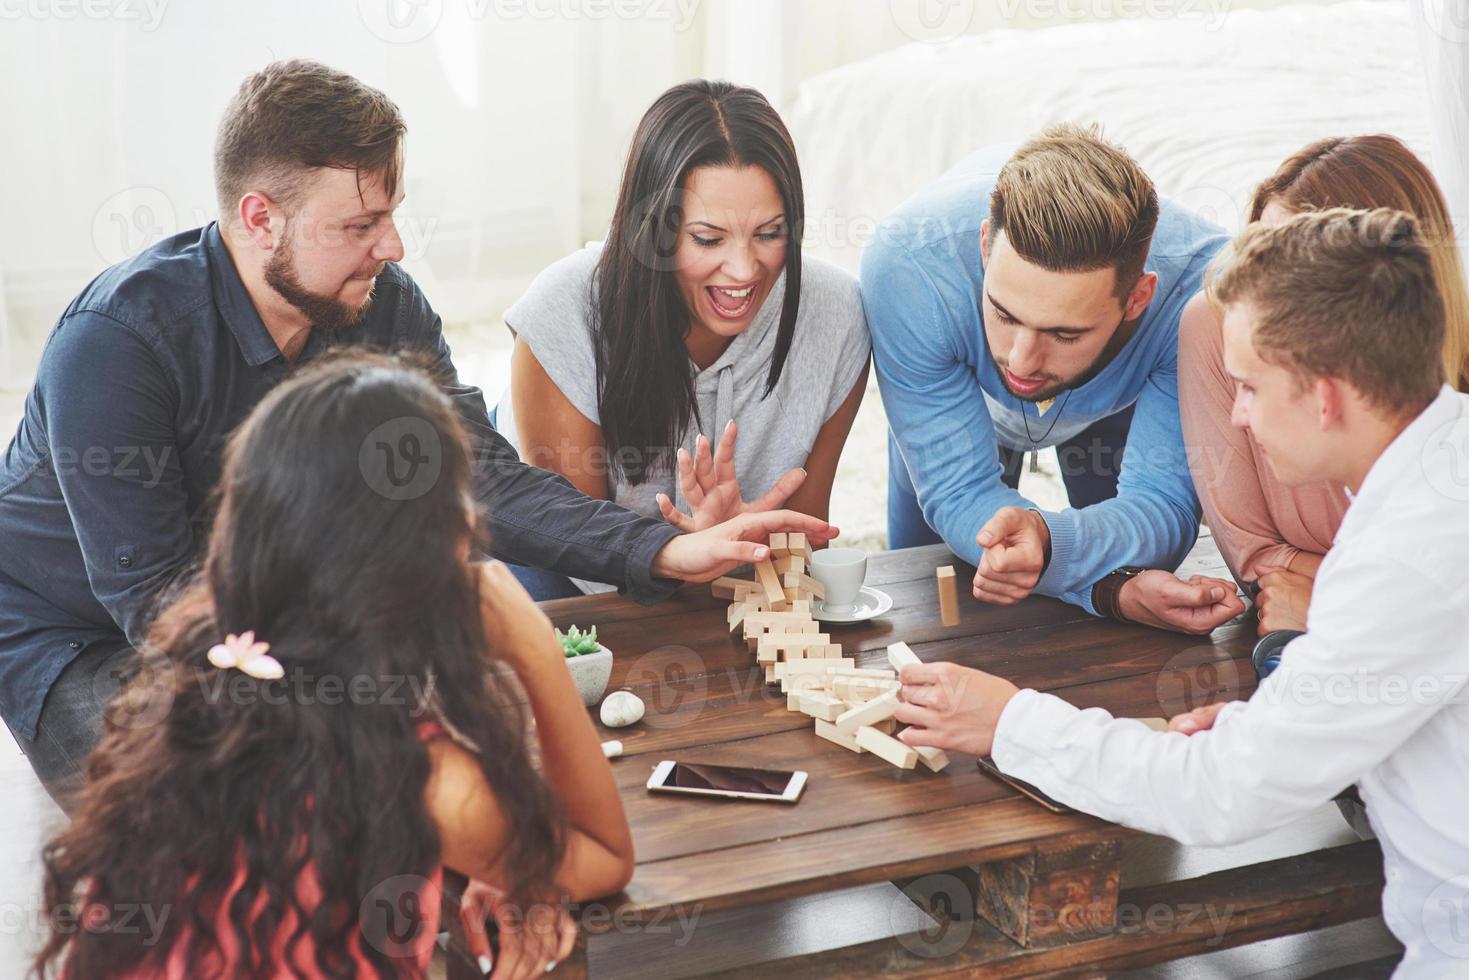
x,y
731,303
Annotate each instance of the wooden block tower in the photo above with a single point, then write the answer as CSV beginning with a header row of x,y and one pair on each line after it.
x,y
851,706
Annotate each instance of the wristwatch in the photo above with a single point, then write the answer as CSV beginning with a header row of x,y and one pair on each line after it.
x,y
1107,593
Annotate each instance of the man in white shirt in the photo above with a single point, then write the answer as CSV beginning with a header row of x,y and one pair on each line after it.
x,y
1333,332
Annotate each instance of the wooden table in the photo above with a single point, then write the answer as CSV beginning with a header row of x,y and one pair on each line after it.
x,y
1016,889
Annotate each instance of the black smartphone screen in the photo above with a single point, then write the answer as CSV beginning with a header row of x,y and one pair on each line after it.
x,y
728,779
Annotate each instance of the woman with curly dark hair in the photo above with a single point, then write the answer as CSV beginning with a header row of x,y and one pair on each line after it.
x,y
332,712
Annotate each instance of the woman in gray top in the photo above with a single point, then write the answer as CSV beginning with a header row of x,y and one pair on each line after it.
x,y
634,356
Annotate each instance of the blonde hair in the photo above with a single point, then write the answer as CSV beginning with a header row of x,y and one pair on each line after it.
x,y
1341,294
1379,171
1070,201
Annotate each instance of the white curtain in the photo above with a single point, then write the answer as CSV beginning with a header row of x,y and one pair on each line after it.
x,y
1443,31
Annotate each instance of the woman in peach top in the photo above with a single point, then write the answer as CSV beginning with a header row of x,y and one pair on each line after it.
x,y
326,717
1273,537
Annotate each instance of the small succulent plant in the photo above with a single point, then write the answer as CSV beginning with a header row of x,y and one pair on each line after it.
x,y
575,643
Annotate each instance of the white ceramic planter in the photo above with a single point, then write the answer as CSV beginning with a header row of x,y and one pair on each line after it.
x,y
591,672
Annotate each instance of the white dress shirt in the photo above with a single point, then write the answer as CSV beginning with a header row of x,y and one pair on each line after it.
x,y
1374,694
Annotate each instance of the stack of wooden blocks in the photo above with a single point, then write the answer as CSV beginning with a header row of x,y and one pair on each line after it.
x,y
852,706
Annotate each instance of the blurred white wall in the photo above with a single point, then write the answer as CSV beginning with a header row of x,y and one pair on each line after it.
x,y
519,115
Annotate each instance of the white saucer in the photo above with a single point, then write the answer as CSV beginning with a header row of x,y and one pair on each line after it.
x,y
870,603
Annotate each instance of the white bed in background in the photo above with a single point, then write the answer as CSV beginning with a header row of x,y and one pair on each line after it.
x,y
1208,109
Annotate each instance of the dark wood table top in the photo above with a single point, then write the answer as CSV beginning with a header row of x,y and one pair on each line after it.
x,y
860,819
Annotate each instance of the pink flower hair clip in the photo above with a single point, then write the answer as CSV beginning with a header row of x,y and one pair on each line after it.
x,y
248,656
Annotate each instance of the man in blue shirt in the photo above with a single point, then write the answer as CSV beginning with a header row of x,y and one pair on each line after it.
x,y
105,491
1026,300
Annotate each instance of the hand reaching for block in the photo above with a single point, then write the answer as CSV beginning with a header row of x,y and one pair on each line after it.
x,y
951,707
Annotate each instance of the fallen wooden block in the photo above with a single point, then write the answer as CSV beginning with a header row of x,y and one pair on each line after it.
x,y
729,587
804,583
738,611
821,706
878,709
886,747
888,726
948,596
900,656
1156,724
935,759
828,731
769,581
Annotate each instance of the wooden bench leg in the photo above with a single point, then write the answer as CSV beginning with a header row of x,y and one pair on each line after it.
x,y
1051,897
1041,899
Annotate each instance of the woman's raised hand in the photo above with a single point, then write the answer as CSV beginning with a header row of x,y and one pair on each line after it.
x,y
709,484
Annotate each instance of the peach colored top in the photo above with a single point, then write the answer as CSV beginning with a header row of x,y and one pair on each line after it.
x,y
1256,520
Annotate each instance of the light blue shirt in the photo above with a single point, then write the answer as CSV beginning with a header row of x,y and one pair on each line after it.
x,y
922,285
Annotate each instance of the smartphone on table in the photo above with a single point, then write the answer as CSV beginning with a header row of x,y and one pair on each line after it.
x,y
988,767
732,782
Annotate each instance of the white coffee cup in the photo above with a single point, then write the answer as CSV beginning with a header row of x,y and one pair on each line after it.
x,y
841,572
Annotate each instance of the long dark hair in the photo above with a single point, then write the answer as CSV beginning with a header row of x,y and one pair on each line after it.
x,y
348,573
645,391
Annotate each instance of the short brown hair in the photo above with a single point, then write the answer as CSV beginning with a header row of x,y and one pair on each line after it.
x,y
1342,294
1071,201
294,116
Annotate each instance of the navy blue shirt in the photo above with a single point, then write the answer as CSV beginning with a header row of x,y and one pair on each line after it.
x,y
105,489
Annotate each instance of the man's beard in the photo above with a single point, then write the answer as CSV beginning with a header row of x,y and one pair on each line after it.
x,y
320,311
